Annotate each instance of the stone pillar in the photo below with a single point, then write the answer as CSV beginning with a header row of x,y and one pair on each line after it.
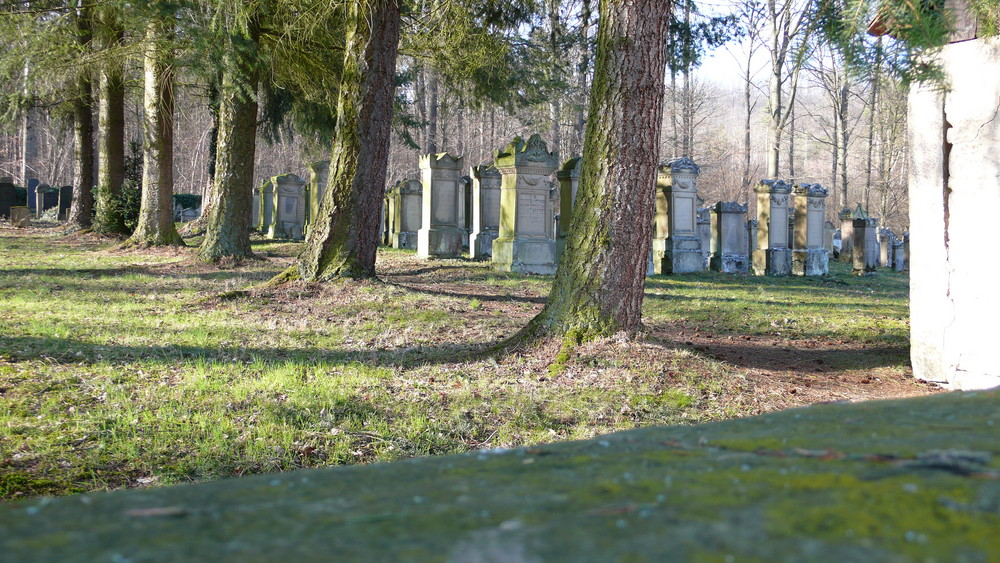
x,y
65,201
289,207
730,250
466,219
406,209
828,230
485,210
40,190
319,173
8,196
676,242
31,185
865,246
906,251
809,254
569,183
898,260
255,209
266,207
751,239
846,236
442,222
772,257
526,243
20,216
704,233
885,248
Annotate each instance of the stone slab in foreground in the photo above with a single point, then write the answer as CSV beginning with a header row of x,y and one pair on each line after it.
x,y
878,481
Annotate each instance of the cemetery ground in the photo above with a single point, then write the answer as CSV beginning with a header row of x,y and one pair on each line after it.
x,y
145,368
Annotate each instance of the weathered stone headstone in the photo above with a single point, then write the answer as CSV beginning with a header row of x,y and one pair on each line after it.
x,y
676,241
885,248
906,251
465,184
267,215
65,201
485,210
828,230
30,188
255,211
809,254
865,243
729,238
772,257
751,239
526,243
319,173
20,216
442,226
289,207
45,198
8,197
569,183
846,236
898,258
705,233
405,213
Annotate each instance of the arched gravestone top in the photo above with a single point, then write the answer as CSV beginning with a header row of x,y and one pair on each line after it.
x,y
682,164
571,168
811,190
486,169
773,186
534,153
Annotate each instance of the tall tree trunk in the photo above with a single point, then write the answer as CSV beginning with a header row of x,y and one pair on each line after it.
x,y
876,77
598,289
110,128
342,242
747,122
791,143
156,213
556,55
433,142
227,233
843,133
774,110
581,111
81,210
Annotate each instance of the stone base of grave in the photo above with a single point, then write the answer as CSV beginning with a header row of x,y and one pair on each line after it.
x,y
481,244
810,262
525,255
20,216
281,230
730,263
772,262
440,242
677,256
867,270
405,239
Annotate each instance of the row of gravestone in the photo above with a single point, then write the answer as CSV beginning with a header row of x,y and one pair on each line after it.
x,y
867,247
507,210
38,199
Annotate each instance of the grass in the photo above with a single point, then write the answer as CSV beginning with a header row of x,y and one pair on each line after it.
x,y
123,369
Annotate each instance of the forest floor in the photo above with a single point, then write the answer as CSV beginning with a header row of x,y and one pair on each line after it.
x,y
127,369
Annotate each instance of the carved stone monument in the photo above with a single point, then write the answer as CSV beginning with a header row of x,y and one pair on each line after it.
x,y
569,183
405,213
319,173
255,210
729,238
846,236
704,233
809,254
65,201
526,243
442,224
772,257
865,243
485,210
289,204
266,207
676,242
8,197
20,216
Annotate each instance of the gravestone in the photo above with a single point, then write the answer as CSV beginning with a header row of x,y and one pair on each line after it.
x,y
20,216
906,251
405,213
676,241
729,238
885,248
442,221
846,236
898,258
289,207
751,239
865,243
809,254
65,201
465,184
319,173
8,197
569,184
828,236
267,217
705,233
527,242
45,198
255,209
772,257
485,210
32,185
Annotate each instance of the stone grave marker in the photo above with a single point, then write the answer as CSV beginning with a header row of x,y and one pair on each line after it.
x,y
846,217
676,240
30,188
442,227
267,216
772,257
704,233
527,241
809,254
898,258
405,213
485,210
65,201
729,238
45,198
20,216
255,210
569,184
319,173
8,197
289,207
865,243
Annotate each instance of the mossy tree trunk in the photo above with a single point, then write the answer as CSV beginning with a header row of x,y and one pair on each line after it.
x,y
81,210
230,204
111,126
342,241
598,289
156,213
